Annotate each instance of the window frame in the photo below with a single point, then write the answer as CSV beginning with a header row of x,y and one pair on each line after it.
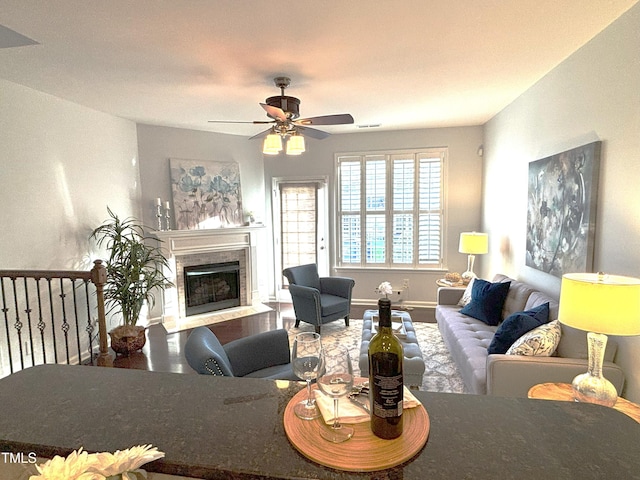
x,y
389,211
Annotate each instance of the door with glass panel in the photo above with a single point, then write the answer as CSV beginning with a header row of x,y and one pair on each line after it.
x,y
300,217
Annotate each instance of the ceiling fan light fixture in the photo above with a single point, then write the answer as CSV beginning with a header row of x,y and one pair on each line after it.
x,y
295,145
272,144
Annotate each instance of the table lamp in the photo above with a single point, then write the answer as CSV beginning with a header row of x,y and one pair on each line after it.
x,y
602,305
472,243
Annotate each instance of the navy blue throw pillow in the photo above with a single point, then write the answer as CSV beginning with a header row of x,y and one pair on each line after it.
x,y
487,300
516,325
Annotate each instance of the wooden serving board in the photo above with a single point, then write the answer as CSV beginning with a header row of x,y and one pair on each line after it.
x,y
364,452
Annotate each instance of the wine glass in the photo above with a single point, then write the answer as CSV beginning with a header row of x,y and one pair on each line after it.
x,y
306,357
336,380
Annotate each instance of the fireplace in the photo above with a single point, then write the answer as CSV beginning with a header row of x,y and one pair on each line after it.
x,y
211,287
195,251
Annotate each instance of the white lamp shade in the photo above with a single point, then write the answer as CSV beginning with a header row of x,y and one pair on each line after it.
x,y
608,304
272,144
473,243
295,145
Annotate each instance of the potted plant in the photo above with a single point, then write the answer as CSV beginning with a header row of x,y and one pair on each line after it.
x,y
135,270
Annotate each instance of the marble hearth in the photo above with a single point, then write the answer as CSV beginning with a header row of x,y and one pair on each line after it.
x,y
187,248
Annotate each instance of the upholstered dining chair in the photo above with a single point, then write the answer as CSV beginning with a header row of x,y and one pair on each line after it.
x,y
318,300
263,355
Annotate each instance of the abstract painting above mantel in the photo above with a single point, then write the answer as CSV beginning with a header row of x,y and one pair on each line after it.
x,y
206,194
561,210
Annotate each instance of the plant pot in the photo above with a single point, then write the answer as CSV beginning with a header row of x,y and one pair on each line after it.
x,y
127,339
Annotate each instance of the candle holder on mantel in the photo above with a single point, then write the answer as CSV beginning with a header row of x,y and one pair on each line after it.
x,y
159,216
167,217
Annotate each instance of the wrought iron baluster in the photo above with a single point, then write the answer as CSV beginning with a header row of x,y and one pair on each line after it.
x,y
53,321
18,325
77,322
28,312
5,312
41,324
89,328
65,324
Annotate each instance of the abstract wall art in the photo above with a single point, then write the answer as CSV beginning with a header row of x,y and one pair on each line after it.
x,y
561,210
206,194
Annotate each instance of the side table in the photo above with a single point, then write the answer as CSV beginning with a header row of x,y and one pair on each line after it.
x,y
443,283
564,392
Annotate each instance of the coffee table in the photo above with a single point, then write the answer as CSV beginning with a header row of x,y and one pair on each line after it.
x,y
413,365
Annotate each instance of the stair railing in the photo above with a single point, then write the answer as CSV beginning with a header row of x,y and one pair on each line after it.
x,y
50,316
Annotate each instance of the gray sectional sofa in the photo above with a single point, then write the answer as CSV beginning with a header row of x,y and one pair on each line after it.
x,y
513,375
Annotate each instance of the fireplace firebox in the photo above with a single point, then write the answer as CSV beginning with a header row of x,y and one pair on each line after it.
x,y
211,287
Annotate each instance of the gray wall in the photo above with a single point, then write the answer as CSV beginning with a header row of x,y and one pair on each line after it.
x,y
592,95
61,164
158,144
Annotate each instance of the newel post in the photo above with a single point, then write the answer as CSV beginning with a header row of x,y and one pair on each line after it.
x,y
99,278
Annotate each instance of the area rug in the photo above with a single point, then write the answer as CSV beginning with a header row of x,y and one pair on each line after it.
x,y
441,373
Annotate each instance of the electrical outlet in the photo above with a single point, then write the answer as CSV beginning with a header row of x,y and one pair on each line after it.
x,y
405,284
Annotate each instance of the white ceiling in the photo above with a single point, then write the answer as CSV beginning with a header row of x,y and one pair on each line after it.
x,y
402,64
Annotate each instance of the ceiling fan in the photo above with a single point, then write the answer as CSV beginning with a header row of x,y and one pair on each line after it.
x,y
284,112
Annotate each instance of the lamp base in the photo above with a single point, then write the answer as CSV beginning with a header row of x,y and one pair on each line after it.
x,y
592,387
468,275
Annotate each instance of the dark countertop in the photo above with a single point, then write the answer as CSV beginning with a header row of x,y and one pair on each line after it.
x,y
213,427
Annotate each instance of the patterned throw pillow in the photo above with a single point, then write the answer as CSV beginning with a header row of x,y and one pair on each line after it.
x,y
466,296
541,341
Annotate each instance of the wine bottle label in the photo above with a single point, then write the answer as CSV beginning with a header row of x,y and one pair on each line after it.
x,y
387,396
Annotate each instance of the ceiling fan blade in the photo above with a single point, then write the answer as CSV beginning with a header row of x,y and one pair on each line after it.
x,y
274,112
261,134
255,122
312,132
339,119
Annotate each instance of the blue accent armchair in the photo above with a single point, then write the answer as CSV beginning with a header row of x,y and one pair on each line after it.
x,y
263,355
318,300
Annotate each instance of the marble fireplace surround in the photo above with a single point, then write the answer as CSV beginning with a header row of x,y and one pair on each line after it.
x,y
198,247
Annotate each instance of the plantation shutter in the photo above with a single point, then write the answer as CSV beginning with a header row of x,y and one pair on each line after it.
x,y
403,209
350,174
430,210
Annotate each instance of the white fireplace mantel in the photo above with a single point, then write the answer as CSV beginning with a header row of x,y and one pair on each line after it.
x,y
182,243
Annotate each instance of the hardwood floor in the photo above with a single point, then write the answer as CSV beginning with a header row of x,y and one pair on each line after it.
x,y
164,352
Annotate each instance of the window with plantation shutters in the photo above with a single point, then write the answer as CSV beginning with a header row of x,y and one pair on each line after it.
x,y
390,209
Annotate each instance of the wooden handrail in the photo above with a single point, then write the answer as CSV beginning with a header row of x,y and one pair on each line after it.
x,y
48,274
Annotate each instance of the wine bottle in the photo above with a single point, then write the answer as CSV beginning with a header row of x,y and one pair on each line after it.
x,y
385,377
